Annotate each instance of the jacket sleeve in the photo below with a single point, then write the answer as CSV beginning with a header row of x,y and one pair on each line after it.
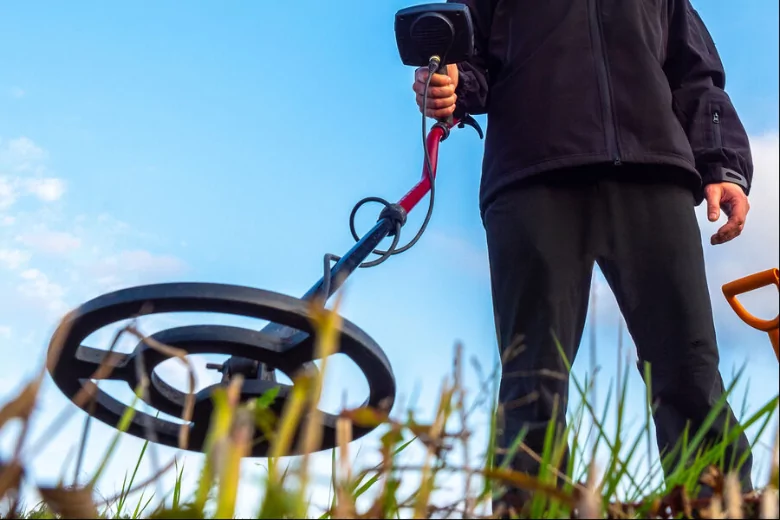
x,y
473,75
696,76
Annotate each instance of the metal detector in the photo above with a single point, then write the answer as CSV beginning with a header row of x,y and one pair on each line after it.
x,y
431,35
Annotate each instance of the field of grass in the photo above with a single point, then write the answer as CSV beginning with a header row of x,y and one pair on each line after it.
x,y
621,486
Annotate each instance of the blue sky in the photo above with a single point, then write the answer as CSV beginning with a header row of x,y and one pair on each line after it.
x,y
155,142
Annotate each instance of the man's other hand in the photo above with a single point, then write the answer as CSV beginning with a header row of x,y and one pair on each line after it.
x,y
441,91
734,202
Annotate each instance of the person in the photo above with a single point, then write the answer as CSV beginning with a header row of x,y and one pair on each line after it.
x,y
607,124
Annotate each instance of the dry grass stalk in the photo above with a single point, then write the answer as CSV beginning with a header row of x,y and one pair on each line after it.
x,y
87,391
239,446
589,502
769,504
73,502
732,496
433,444
23,405
343,438
770,508
218,452
70,502
345,504
470,502
189,399
151,479
10,478
57,342
328,324
774,474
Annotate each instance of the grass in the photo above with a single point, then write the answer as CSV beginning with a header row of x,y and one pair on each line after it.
x,y
627,485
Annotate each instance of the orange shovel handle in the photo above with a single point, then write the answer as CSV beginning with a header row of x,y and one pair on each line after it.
x,y
750,283
774,337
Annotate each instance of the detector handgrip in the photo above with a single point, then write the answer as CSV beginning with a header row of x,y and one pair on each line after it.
x,y
750,283
449,119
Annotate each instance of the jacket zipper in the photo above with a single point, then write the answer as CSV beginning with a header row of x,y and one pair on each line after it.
x,y
716,129
610,125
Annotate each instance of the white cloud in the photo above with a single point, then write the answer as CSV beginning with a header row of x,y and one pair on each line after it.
x,y
52,242
39,289
7,193
94,252
13,258
21,155
17,92
25,147
129,267
23,173
5,332
48,190
140,261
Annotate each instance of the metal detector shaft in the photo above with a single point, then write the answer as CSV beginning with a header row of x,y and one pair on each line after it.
x,y
350,261
384,226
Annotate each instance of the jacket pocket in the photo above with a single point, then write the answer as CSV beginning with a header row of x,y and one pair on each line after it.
x,y
523,28
717,137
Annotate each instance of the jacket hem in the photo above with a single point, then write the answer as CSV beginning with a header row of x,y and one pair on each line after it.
x,y
503,181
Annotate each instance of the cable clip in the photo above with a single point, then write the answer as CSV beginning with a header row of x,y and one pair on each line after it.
x,y
397,214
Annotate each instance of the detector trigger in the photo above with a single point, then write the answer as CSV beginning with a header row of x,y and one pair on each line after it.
x,y
470,121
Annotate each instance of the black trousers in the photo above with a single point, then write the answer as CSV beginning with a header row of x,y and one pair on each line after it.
x,y
544,238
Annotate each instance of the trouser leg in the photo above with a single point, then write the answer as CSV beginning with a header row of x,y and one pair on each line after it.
x,y
538,238
654,264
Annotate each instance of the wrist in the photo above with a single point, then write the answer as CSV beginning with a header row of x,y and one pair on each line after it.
x,y
716,173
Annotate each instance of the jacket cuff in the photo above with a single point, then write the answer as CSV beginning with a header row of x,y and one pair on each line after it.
x,y
716,173
462,91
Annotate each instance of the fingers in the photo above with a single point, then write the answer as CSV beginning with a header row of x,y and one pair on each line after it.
x,y
438,108
729,231
738,208
433,92
441,97
437,80
713,193
442,113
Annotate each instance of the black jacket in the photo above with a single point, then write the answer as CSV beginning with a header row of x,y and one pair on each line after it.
x,y
573,82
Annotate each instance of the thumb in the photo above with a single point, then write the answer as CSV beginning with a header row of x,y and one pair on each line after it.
x,y
421,74
713,194
452,72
